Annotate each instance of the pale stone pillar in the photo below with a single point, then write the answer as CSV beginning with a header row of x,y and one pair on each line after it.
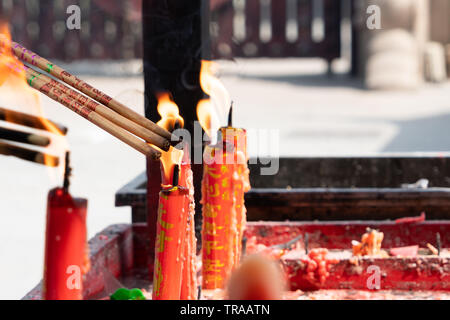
x,y
392,56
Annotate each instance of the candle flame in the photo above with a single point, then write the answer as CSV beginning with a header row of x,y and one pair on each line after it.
x,y
212,112
13,82
204,115
170,114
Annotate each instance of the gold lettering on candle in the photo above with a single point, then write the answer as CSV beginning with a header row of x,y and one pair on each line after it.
x,y
213,265
211,228
161,239
213,278
212,245
158,278
226,182
213,191
226,195
211,210
211,172
164,224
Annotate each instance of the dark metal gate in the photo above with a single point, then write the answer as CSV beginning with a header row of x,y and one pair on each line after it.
x,y
238,28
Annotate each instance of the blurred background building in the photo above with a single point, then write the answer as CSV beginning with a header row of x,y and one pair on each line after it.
x,y
413,35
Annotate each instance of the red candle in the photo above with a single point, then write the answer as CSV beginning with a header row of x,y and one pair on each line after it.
x,y
189,276
225,180
218,222
173,272
188,288
241,184
170,241
66,254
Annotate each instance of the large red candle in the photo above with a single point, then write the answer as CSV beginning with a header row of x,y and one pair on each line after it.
x,y
172,272
170,241
225,180
188,256
218,224
237,137
189,276
65,246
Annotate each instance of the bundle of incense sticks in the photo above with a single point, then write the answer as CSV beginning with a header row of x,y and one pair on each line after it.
x,y
39,82
97,107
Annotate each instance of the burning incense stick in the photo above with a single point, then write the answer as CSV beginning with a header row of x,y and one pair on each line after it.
x,y
87,89
24,137
132,127
28,120
29,155
120,133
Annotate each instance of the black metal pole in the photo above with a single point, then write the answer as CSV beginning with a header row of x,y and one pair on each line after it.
x,y
175,40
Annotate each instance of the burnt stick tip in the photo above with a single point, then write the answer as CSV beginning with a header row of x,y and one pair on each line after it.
x,y
175,140
67,172
177,125
176,175
230,115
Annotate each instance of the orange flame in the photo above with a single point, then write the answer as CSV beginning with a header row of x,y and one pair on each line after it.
x,y
13,81
170,114
204,114
212,112
9,64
